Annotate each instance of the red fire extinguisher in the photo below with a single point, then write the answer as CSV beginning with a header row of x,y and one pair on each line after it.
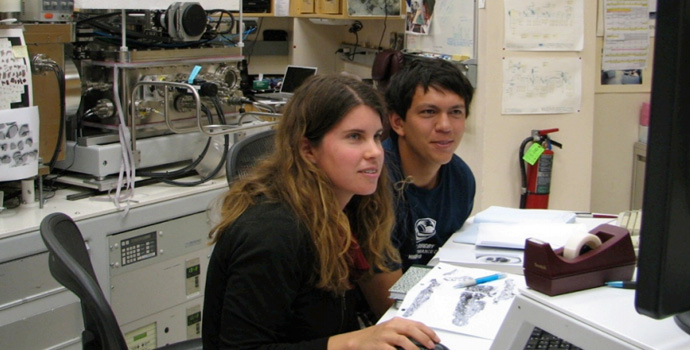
x,y
536,166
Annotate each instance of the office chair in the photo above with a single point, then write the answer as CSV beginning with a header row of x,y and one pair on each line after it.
x,y
245,153
386,64
70,265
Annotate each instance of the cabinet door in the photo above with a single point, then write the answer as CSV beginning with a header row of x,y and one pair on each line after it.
x,y
305,6
329,6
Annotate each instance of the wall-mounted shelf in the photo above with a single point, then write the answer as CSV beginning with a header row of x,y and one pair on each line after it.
x,y
365,56
265,48
362,55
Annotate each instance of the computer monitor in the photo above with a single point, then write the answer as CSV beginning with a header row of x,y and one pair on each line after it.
x,y
295,76
663,279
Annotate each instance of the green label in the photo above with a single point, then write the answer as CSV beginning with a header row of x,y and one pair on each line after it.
x,y
533,153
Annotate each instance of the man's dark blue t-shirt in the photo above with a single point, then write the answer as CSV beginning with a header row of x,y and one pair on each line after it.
x,y
425,219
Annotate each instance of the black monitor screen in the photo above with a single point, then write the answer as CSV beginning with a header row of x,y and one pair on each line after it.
x,y
295,76
663,280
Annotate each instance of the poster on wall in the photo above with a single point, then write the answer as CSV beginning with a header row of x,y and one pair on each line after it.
x,y
544,25
19,124
452,31
546,85
15,70
18,143
418,17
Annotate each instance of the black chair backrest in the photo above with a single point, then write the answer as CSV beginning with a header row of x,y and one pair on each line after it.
x,y
245,153
70,265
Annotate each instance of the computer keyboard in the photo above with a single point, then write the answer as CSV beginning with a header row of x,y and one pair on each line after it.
x,y
631,220
541,339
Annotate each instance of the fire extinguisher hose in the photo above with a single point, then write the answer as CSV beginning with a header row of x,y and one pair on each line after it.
x,y
523,172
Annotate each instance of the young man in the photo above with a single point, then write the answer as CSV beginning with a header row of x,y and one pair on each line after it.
x,y
428,103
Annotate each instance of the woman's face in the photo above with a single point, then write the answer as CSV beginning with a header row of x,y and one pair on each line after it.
x,y
351,154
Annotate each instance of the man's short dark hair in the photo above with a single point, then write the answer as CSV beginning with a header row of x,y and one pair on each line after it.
x,y
426,72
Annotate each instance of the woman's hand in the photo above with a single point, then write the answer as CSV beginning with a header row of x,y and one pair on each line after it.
x,y
387,335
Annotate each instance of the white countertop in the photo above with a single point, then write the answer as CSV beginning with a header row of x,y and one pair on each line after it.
x,y
27,217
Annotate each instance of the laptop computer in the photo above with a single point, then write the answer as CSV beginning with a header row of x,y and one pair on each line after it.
x,y
293,78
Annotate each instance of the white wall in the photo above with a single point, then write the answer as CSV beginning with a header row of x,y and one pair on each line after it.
x,y
617,111
593,170
493,146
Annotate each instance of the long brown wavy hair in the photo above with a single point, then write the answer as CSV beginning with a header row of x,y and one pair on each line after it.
x,y
286,176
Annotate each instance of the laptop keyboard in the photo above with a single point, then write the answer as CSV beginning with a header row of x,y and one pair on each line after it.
x,y
279,96
541,339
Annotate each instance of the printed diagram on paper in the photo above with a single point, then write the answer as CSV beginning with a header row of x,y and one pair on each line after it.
x,y
478,310
18,143
15,70
544,25
542,85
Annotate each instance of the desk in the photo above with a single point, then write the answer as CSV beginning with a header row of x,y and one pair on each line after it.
x,y
598,318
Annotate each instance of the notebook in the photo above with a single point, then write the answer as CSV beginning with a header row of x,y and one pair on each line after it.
x,y
293,78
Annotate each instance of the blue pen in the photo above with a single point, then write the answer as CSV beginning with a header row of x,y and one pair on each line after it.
x,y
622,284
193,75
480,280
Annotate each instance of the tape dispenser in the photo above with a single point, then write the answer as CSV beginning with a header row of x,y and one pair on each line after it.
x,y
548,271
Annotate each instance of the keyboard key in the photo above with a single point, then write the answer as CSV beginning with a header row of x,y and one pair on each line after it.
x,y
541,339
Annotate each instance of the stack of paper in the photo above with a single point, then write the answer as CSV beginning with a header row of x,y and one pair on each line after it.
x,y
505,215
514,235
509,227
411,277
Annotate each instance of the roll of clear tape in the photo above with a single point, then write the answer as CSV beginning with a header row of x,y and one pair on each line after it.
x,y
577,242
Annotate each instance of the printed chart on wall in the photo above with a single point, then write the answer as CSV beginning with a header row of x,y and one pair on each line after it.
x,y
441,27
18,119
479,310
545,85
544,25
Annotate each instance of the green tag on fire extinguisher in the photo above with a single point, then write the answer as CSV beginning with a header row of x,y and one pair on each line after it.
x,y
533,153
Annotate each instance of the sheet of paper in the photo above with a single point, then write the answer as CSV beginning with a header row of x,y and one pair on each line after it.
x,y
505,260
15,81
477,311
19,143
450,32
626,34
282,8
547,85
544,25
514,235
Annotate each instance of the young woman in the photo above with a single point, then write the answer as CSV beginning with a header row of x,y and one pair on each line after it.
x,y
307,227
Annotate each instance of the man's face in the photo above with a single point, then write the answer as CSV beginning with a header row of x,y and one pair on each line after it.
x,y
433,127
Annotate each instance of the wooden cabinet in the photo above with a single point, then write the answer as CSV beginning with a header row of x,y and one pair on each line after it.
x,y
346,9
339,9
331,7
303,7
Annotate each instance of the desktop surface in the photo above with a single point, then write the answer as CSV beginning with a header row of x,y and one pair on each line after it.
x,y
597,318
612,310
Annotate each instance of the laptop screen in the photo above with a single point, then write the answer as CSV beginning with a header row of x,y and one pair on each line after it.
x,y
295,76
